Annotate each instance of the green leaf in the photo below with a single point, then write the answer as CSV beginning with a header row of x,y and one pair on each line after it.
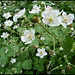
x,y
4,59
39,67
35,41
67,44
27,64
10,51
39,29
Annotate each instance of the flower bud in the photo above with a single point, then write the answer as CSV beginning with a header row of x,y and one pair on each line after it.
x,y
69,67
35,46
35,19
71,25
52,53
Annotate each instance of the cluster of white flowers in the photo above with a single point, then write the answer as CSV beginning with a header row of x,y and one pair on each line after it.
x,y
53,17
28,36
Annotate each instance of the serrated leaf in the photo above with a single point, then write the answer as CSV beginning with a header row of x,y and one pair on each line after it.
x,y
27,64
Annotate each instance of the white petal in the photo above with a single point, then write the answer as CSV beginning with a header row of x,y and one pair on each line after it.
x,y
37,54
23,38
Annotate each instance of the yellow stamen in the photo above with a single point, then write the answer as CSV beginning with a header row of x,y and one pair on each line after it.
x,y
50,19
66,19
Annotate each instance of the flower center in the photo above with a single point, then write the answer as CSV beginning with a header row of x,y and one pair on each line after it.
x,y
9,22
6,15
41,53
66,19
29,36
51,19
5,35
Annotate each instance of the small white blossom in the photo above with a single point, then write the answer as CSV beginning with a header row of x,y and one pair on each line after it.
x,y
4,35
72,28
8,23
63,71
42,2
41,52
35,9
15,27
18,15
42,38
0,25
7,15
4,7
2,65
28,36
61,65
64,56
61,48
13,61
67,19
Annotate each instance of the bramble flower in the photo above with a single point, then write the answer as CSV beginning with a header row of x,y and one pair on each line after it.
x,y
28,36
4,35
67,19
61,48
51,18
42,38
8,23
13,61
41,52
15,27
7,15
18,15
35,9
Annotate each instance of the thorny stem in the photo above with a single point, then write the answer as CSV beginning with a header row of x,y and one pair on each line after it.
x,y
51,33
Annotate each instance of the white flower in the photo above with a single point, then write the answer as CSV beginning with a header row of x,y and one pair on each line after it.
x,y
67,19
2,65
7,15
72,28
42,38
48,8
35,9
42,2
53,3
0,25
8,23
4,35
15,27
18,15
61,48
41,52
13,61
28,36
51,18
